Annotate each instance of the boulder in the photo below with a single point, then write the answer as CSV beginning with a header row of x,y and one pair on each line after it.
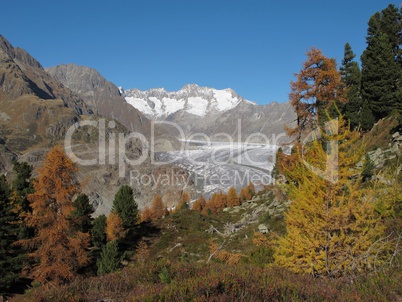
x,y
263,228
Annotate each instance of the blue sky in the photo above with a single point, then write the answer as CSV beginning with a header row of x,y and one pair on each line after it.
x,y
252,46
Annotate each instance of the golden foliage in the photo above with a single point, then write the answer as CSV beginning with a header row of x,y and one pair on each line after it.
x,y
331,224
183,202
146,215
251,189
216,203
232,199
142,252
158,208
60,248
222,255
114,227
317,88
260,239
199,204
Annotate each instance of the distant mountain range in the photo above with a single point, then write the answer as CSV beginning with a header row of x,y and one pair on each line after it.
x,y
158,104
211,111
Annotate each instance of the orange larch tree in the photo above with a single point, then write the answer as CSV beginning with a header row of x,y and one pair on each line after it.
x,y
232,199
199,204
183,202
251,189
222,200
158,209
58,247
212,205
146,215
317,88
114,227
243,195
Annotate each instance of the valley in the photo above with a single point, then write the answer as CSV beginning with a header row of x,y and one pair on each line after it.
x,y
195,193
217,166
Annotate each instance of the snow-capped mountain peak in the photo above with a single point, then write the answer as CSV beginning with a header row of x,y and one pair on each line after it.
x,y
157,103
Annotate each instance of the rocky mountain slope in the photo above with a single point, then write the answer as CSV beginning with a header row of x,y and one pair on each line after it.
x,y
35,108
21,74
211,111
102,96
37,111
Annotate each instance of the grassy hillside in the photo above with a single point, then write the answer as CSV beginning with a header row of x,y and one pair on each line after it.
x,y
219,257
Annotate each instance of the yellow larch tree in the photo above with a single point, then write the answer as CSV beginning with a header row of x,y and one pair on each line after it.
x,y
331,226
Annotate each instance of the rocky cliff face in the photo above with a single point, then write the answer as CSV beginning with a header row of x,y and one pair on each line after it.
x,y
35,109
102,96
21,74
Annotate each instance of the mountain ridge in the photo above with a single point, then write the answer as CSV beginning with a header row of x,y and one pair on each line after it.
x,y
158,103
199,109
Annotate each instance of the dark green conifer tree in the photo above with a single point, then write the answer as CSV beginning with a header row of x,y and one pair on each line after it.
x,y
98,231
110,258
126,207
82,213
21,187
351,77
381,63
11,257
367,117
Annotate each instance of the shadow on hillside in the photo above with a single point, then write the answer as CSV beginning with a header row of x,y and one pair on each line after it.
x,y
142,231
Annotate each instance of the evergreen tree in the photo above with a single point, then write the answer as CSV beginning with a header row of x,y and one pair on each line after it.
x,y
10,255
367,117
275,171
21,187
126,207
368,168
60,248
22,182
332,226
82,213
351,78
382,63
380,77
389,21
110,258
98,231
